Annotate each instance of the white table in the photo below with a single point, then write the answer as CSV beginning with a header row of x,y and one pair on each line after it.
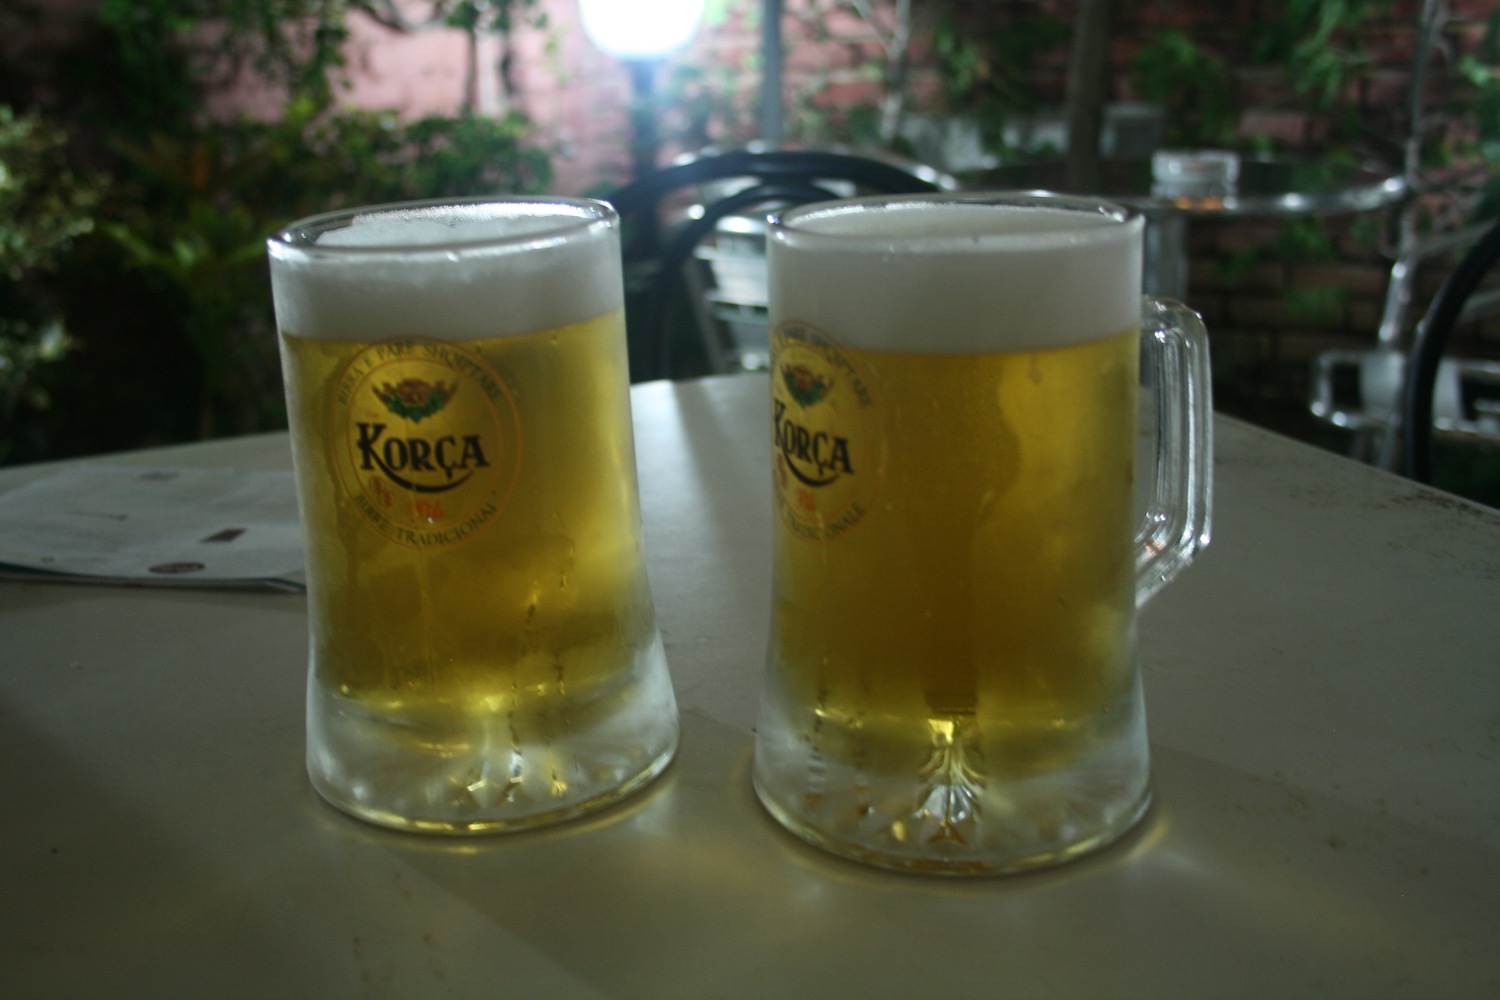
x,y
1324,690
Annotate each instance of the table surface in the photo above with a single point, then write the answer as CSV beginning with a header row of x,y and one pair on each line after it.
x,y
1324,697
1266,187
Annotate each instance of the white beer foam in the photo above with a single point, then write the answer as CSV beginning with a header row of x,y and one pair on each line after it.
x,y
957,278
455,273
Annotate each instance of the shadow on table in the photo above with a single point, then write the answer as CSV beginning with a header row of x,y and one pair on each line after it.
x,y
698,893
96,894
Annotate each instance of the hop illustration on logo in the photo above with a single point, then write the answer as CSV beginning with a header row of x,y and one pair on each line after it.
x,y
806,386
414,399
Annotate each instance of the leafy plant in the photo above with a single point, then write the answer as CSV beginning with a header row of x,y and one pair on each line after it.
x,y
1482,72
988,67
1318,42
1195,85
44,208
193,199
203,205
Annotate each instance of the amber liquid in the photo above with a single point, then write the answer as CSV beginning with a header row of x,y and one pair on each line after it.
x,y
494,635
972,625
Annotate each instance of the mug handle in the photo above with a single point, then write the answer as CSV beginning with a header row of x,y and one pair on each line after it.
x,y
1177,522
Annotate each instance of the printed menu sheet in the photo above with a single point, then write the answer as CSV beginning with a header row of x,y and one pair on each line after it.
x,y
154,527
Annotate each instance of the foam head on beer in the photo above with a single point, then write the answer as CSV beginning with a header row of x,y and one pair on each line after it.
x,y
960,277
493,272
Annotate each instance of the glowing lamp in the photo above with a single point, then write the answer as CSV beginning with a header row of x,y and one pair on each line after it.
x,y
640,33
640,29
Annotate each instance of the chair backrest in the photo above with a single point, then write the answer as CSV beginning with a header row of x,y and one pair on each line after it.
x,y
754,180
1364,390
1426,358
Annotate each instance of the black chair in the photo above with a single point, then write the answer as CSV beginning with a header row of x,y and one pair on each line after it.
x,y
1363,390
743,185
1455,302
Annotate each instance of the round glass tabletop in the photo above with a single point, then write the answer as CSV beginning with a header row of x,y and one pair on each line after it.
x,y
1264,186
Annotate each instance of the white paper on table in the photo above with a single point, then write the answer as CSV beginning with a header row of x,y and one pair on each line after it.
x,y
155,527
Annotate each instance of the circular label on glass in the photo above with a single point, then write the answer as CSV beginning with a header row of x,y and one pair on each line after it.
x,y
431,441
822,449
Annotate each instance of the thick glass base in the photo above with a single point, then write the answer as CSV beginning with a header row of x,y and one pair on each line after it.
x,y
490,772
970,803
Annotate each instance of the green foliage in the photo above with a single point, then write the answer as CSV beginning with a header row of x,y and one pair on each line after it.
x,y
1195,85
44,208
704,104
496,17
1304,240
25,349
1319,45
1482,71
202,206
192,200
861,126
165,48
988,66
1298,240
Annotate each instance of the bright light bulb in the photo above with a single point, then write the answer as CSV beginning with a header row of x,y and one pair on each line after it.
x,y
640,29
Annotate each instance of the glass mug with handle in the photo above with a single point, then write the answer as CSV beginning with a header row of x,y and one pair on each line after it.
x,y
952,683
484,652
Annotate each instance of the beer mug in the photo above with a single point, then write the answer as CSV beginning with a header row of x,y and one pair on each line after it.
x,y
951,683
484,652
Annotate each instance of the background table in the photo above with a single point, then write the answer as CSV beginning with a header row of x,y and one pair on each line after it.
x,y
1324,692
1266,187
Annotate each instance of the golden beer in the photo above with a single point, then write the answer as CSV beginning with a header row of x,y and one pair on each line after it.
x,y
951,681
989,586
483,645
